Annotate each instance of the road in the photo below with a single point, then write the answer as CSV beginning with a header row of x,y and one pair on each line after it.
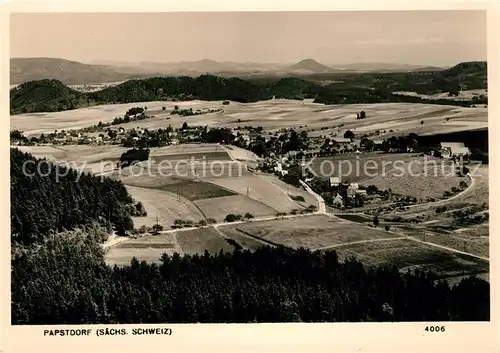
x,y
321,201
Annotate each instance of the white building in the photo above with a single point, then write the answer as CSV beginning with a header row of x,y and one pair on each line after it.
x,y
341,140
338,201
334,181
453,149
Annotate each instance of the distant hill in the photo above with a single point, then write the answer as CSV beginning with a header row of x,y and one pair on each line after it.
x,y
309,65
467,68
388,67
196,68
68,72
44,96
53,95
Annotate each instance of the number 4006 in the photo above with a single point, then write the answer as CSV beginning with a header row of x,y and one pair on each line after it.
x,y
435,328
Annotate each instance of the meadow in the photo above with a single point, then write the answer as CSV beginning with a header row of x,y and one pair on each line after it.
x,y
317,119
410,255
312,232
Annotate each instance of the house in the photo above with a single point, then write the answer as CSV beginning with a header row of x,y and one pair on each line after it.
x,y
453,149
121,130
351,192
341,140
361,192
338,201
352,189
378,142
334,181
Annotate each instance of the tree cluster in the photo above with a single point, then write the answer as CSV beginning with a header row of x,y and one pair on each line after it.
x,y
65,280
133,156
49,198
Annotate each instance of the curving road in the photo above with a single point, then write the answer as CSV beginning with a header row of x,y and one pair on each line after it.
x,y
321,201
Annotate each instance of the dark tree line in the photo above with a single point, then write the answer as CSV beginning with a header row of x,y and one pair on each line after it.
x,y
64,280
46,197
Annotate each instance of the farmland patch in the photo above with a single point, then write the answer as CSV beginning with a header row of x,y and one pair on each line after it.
x,y
312,232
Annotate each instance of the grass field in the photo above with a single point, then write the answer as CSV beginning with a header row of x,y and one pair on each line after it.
x,y
358,167
149,248
406,254
198,240
219,207
480,192
259,190
312,232
166,206
473,239
246,241
421,178
271,115
291,190
79,154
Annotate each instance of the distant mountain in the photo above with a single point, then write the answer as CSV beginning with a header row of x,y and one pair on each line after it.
x,y
387,67
67,71
308,66
195,68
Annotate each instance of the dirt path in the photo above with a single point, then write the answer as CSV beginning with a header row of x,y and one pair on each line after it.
x,y
114,240
441,202
177,247
447,248
358,242
216,228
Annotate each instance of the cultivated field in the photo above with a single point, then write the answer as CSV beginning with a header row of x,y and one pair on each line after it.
x,y
218,207
165,205
95,159
190,189
149,248
410,255
198,240
312,232
271,115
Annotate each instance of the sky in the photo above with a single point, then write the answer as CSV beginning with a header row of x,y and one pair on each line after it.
x,y
441,38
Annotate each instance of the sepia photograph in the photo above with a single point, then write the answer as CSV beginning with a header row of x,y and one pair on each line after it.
x,y
249,167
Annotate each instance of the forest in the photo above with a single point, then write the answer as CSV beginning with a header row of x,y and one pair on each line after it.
x,y
64,280
47,198
53,95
